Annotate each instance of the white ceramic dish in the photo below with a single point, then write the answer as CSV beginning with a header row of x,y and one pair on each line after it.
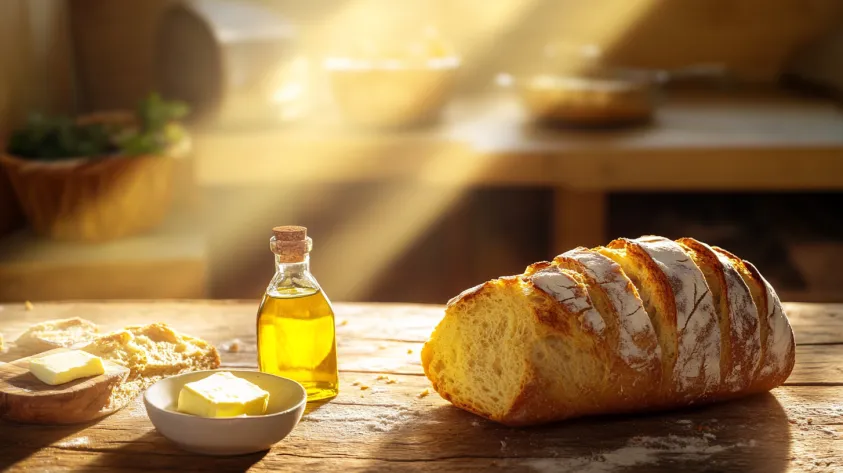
x,y
226,436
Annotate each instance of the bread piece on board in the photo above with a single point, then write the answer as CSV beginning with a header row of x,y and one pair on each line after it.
x,y
777,344
152,352
680,306
740,347
628,327
52,334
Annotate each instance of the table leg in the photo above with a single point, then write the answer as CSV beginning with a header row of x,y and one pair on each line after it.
x,y
579,219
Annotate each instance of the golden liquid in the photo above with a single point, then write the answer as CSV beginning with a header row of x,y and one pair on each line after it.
x,y
296,340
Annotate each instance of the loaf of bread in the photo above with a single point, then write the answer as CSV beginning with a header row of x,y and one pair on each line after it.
x,y
641,324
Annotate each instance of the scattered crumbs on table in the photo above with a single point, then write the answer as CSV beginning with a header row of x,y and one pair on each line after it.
x,y
382,347
357,382
409,350
810,421
381,377
364,387
424,393
683,421
391,381
233,346
343,323
28,305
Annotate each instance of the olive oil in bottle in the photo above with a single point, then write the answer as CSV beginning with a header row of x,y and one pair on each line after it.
x,y
296,335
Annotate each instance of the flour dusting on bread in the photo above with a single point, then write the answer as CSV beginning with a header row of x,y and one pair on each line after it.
x,y
637,343
570,293
696,321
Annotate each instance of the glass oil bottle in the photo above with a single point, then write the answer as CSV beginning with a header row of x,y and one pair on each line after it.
x,y
296,331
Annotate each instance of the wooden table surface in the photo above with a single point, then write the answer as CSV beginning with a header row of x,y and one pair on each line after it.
x,y
797,427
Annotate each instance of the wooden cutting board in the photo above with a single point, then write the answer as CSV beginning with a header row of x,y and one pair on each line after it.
x,y
24,398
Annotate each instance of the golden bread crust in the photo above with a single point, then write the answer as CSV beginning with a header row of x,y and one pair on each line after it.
x,y
739,320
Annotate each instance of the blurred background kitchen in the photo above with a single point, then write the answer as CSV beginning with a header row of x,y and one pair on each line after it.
x,y
428,145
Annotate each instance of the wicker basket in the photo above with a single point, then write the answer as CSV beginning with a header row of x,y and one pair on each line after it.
x,y
92,199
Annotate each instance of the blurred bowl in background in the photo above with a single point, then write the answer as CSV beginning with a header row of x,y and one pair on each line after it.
x,y
391,93
584,101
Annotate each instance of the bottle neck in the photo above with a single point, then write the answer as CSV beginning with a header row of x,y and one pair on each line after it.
x,y
292,269
292,277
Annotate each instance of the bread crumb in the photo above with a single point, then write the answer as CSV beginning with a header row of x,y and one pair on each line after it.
x,y
382,347
424,393
381,376
361,395
357,382
474,423
343,323
503,444
409,351
810,421
233,346
363,387
28,305
391,381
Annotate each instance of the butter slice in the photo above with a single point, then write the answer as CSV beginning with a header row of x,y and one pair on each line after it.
x,y
222,395
64,367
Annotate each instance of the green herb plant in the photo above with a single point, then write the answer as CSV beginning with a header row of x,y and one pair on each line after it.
x,y
60,137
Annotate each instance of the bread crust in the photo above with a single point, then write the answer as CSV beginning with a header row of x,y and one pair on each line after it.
x,y
739,320
778,355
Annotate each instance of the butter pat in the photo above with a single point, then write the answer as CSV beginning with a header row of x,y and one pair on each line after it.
x,y
222,395
64,367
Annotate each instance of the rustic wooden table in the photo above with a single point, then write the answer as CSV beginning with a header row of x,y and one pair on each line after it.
x,y
798,427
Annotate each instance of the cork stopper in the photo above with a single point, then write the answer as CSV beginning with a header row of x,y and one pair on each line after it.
x,y
290,243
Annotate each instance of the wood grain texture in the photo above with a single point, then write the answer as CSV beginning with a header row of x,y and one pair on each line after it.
x,y
24,398
388,426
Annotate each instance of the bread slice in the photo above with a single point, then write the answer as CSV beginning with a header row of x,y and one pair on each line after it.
x,y
60,333
628,327
152,352
551,359
776,335
740,347
681,308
